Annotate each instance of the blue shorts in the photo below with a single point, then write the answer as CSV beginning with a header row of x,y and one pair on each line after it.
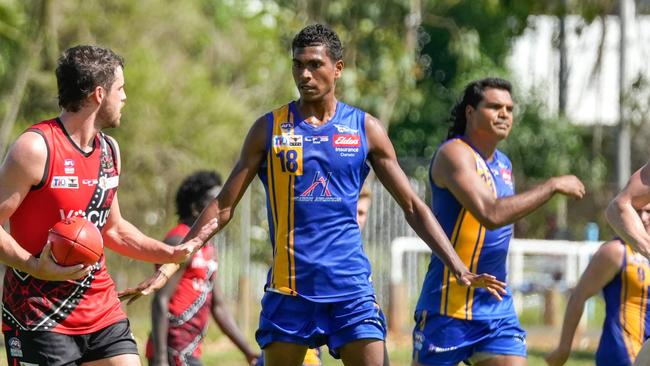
x,y
294,319
443,340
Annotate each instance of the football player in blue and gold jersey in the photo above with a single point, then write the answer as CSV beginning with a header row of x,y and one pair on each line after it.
x,y
624,277
313,155
473,198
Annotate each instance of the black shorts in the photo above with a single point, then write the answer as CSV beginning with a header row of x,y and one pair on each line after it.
x,y
56,349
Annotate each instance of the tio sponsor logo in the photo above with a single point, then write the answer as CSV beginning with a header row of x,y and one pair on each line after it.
x,y
346,141
65,182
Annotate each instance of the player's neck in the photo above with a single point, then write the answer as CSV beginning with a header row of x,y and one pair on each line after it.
x,y
81,128
317,113
485,147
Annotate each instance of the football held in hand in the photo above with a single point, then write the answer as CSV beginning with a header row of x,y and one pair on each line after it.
x,y
75,240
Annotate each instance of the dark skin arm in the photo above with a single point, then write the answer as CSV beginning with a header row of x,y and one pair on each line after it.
x,y
224,319
418,215
454,168
221,208
602,269
159,310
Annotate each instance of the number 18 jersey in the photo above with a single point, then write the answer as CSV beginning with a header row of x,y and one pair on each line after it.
x,y
312,177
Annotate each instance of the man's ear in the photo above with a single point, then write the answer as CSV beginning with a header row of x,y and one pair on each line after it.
x,y
338,69
98,94
469,110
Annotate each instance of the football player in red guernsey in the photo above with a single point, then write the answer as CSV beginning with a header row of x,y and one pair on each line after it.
x,y
59,168
181,310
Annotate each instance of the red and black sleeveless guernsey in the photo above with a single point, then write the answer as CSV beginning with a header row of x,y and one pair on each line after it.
x,y
189,306
74,184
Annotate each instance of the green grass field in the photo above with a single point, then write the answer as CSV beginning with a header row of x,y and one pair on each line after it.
x,y
229,356
218,350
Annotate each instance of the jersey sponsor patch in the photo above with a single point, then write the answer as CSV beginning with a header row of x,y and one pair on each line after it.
x,y
285,126
109,182
65,182
287,140
319,190
316,139
346,140
68,166
15,347
346,145
346,129
506,174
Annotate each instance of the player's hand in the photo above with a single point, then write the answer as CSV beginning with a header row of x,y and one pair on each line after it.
x,y
252,359
184,252
557,357
569,185
495,287
44,268
144,288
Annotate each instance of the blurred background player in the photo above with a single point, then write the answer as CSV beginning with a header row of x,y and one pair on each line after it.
x,y
59,168
473,198
624,277
180,311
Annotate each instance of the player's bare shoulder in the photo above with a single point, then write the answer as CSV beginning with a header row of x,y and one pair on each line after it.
x,y
453,155
611,252
27,158
376,135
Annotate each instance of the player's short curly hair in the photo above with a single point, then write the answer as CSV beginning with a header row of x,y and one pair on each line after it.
x,y
82,68
319,35
193,191
473,95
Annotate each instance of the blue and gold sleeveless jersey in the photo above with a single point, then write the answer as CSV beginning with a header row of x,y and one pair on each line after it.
x,y
313,176
482,250
626,312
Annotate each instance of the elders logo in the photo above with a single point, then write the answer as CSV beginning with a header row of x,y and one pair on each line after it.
x,y
346,141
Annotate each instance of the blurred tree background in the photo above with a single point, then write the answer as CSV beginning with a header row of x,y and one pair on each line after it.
x,y
199,72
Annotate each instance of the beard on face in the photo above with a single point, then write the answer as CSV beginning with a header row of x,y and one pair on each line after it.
x,y
108,116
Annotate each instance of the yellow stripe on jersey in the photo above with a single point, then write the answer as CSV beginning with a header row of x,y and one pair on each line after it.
x,y
468,238
634,299
457,301
446,273
281,180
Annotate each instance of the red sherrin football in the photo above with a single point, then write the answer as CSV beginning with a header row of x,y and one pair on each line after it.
x,y
75,240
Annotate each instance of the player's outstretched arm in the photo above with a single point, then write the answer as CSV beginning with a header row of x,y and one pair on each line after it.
x,y
23,168
219,210
454,168
124,238
418,215
224,319
160,320
603,267
622,212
